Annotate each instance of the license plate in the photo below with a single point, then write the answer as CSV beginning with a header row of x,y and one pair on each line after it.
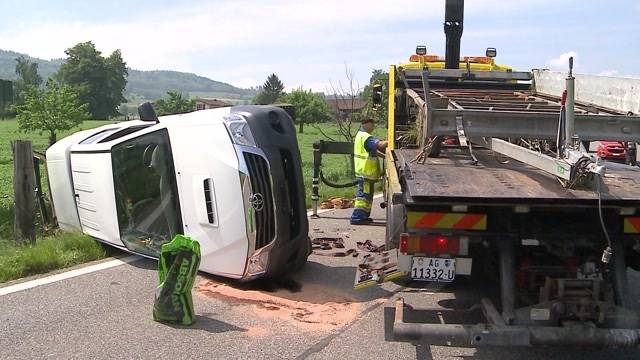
x,y
433,269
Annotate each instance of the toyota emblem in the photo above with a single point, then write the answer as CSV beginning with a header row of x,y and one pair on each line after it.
x,y
257,201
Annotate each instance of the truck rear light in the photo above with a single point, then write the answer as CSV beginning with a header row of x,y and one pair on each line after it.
x,y
429,244
404,243
442,242
439,245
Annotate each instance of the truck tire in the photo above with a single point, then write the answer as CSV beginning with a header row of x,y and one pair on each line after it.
x,y
619,279
395,224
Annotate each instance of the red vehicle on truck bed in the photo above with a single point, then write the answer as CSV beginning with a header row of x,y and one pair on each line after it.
x,y
613,151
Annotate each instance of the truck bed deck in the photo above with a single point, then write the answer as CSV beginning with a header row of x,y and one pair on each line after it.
x,y
453,177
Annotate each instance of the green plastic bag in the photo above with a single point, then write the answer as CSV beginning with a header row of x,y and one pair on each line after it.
x,y
177,269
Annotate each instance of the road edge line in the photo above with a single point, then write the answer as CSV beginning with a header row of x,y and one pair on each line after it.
x,y
67,275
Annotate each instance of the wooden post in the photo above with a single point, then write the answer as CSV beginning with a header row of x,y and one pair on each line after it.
x,y
23,188
42,207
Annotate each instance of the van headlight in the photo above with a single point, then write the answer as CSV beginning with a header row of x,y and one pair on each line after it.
x,y
239,130
257,264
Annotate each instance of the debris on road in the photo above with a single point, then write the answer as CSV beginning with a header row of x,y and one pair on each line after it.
x,y
377,268
317,309
256,331
369,246
322,246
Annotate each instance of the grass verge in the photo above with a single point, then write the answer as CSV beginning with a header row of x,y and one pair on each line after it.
x,y
48,253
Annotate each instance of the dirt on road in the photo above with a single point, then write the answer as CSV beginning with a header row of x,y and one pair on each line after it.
x,y
316,307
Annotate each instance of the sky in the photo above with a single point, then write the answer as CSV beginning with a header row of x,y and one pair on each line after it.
x,y
314,44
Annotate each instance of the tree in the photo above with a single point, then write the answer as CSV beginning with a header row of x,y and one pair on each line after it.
x,y
310,108
174,104
99,81
350,95
380,114
272,89
28,77
55,108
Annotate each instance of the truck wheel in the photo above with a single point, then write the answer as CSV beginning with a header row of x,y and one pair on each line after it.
x,y
619,275
395,225
632,259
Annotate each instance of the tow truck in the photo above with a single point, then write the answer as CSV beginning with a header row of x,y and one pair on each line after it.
x,y
488,175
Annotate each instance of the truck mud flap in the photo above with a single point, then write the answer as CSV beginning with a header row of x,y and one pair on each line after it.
x,y
397,328
376,268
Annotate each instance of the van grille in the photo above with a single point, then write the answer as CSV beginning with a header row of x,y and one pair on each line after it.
x,y
208,189
261,190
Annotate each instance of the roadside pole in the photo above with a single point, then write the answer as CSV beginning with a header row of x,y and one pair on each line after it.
x,y
23,187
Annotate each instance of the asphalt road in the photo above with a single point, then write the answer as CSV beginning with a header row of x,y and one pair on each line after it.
x,y
107,314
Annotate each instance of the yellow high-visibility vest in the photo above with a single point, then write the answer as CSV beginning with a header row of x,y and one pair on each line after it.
x,y
367,166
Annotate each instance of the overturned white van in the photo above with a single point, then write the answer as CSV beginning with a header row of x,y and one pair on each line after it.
x,y
230,178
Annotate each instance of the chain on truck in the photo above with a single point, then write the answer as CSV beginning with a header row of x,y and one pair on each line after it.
x,y
488,176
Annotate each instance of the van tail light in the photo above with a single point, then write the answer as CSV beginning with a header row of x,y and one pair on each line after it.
x,y
404,243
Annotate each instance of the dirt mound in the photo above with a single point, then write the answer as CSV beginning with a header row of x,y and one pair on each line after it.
x,y
310,310
336,203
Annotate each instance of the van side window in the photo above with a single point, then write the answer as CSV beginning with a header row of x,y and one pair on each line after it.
x,y
93,138
124,132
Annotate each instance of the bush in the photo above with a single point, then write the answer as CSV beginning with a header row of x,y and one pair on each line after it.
x,y
49,253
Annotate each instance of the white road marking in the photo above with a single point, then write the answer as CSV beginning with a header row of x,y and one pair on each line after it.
x,y
93,268
67,275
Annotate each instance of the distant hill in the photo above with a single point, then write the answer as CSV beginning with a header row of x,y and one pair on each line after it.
x,y
142,84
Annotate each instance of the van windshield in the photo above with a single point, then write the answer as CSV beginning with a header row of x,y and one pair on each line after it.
x,y
146,193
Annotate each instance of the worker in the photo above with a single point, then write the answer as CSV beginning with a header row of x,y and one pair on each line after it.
x,y
365,156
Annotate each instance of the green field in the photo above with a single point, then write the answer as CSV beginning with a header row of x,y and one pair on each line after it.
x,y
9,132
335,167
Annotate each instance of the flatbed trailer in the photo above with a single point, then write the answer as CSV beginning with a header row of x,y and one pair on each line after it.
x,y
490,179
516,223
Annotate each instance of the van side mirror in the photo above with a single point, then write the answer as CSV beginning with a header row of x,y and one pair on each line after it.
x,y
147,113
376,96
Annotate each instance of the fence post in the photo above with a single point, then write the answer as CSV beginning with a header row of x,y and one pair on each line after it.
x,y
23,188
315,181
45,217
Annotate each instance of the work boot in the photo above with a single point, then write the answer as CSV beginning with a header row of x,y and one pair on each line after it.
x,y
366,221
